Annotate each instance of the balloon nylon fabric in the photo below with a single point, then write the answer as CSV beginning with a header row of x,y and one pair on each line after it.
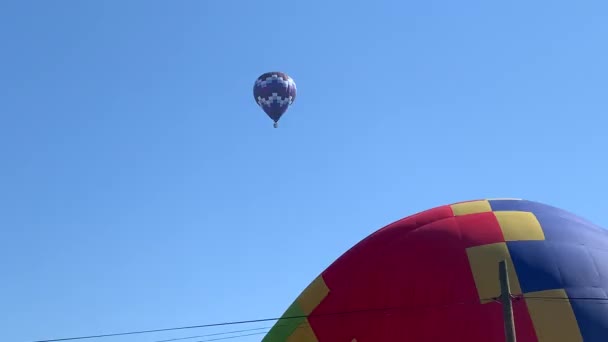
x,y
432,277
274,92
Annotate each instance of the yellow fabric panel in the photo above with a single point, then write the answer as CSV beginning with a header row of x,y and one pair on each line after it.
x,y
313,295
289,322
553,319
473,207
303,333
483,261
519,225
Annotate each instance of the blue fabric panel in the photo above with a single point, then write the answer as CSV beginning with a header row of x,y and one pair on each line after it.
x,y
535,265
576,265
591,314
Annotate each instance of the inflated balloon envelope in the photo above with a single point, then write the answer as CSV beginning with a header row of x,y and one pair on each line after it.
x,y
433,276
274,92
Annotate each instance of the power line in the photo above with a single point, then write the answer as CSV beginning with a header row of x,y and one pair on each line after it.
x,y
301,326
157,330
369,310
215,334
566,299
230,332
476,301
229,337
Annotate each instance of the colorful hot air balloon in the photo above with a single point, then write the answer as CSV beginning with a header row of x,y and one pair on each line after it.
x,y
433,276
274,92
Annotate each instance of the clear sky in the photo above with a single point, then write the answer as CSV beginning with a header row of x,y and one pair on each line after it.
x,y
141,187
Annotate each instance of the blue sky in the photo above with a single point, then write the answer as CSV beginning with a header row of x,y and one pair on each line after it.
x,y
141,187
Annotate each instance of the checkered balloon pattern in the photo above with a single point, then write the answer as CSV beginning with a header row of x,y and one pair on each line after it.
x,y
433,276
274,92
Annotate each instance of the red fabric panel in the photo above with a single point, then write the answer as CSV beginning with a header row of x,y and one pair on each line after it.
x,y
479,229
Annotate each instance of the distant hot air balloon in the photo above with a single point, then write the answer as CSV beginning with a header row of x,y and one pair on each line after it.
x,y
274,92
434,276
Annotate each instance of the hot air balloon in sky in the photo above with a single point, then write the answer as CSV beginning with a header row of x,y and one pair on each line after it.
x,y
434,276
274,92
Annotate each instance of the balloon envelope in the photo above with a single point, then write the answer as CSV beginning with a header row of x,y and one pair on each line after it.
x,y
433,276
274,92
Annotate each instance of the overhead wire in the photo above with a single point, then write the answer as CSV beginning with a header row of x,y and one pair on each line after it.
x,y
214,334
476,301
569,299
267,328
350,312
231,337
